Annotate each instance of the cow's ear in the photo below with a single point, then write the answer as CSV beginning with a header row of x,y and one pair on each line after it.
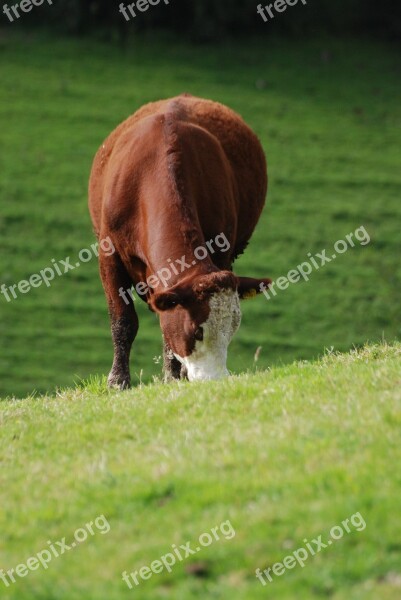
x,y
248,287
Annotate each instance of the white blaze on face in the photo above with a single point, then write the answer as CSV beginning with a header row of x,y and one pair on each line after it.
x,y
209,357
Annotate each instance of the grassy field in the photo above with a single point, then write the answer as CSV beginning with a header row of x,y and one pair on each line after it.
x,y
283,455
328,115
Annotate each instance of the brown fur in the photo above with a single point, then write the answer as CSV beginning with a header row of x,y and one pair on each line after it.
x,y
175,174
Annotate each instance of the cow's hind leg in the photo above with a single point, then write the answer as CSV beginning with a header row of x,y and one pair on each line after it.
x,y
123,317
172,368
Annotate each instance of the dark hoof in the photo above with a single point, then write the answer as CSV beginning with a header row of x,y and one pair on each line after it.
x,y
118,381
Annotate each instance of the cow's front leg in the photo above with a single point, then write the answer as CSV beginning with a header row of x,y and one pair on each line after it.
x,y
123,331
172,368
123,317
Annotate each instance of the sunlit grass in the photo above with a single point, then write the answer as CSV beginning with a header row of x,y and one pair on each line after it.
x,y
284,455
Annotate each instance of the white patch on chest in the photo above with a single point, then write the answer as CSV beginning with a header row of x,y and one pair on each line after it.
x,y
209,357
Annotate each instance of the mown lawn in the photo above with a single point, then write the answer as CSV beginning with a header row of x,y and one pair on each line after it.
x,y
328,115
283,455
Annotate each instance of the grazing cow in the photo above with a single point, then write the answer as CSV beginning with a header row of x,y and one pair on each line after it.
x,y
174,176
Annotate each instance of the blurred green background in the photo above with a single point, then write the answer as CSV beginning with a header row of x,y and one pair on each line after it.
x,y
320,85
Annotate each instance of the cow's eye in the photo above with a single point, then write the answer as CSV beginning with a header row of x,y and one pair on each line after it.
x,y
199,334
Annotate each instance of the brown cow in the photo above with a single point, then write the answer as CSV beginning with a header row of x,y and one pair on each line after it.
x,y
174,176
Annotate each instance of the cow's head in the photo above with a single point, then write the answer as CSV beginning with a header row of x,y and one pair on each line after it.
x,y
200,315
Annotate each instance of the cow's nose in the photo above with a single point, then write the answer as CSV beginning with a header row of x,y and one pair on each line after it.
x,y
203,375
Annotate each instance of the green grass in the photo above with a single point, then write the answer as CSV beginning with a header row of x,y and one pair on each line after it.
x,y
284,455
330,129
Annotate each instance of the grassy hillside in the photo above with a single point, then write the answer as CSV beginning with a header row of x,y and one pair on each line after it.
x,y
283,455
328,115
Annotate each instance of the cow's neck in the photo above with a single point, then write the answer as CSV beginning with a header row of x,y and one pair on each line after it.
x,y
177,247
174,232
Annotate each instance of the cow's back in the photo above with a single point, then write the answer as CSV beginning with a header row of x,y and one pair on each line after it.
x,y
240,145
